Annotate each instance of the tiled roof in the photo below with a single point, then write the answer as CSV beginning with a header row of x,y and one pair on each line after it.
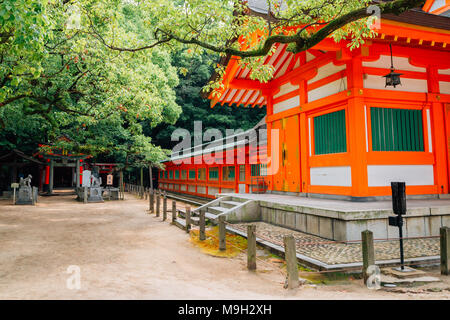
x,y
413,16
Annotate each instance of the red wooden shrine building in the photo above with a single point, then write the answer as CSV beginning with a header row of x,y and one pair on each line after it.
x,y
341,131
64,169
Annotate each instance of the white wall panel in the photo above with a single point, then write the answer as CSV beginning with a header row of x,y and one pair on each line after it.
x,y
409,85
444,87
212,191
412,175
286,88
325,71
328,89
331,176
400,63
286,104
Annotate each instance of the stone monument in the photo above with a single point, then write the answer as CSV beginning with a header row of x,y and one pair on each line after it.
x,y
26,194
92,182
95,191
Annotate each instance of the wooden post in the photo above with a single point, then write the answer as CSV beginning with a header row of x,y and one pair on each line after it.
x,y
368,252
202,223
146,194
222,233
174,211
85,195
445,250
141,189
165,207
291,262
121,186
14,196
188,219
77,173
251,247
50,185
150,175
152,200
158,203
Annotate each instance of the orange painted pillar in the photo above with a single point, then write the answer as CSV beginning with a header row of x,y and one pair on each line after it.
x,y
269,140
47,175
438,131
356,129
303,139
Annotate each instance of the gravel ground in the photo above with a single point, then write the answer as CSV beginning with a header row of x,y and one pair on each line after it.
x,y
125,253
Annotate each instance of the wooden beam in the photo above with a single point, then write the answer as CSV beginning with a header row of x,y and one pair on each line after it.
x,y
248,84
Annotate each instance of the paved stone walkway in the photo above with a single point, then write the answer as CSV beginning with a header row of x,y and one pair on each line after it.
x,y
331,252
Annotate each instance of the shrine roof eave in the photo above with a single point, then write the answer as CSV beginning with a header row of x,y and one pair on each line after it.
x,y
425,23
22,155
62,157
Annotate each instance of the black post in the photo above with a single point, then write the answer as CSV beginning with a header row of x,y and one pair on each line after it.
x,y
399,207
400,232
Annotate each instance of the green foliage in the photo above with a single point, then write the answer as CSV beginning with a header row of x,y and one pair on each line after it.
x,y
95,96
228,28
196,108
24,28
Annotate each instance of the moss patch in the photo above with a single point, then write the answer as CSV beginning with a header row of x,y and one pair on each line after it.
x,y
234,243
330,278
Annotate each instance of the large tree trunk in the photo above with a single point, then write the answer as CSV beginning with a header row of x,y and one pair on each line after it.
x,y
150,175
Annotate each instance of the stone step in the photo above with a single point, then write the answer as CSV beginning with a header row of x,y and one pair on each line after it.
x,y
229,204
195,220
210,216
217,210
235,199
180,223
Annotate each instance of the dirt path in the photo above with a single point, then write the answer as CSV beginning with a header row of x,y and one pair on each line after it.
x,y
124,253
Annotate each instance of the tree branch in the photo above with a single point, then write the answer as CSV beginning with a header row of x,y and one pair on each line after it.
x,y
303,42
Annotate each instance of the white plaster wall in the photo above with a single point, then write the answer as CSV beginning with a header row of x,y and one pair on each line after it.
x,y
412,175
286,88
247,96
325,71
400,63
286,104
309,57
201,189
280,61
276,54
183,187
444,87
444,71
227,190
331,176
285,66
328,89
239,95
409,85
212,191
191,188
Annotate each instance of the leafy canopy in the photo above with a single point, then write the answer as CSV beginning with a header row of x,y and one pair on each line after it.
x,y
230,28
64,82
